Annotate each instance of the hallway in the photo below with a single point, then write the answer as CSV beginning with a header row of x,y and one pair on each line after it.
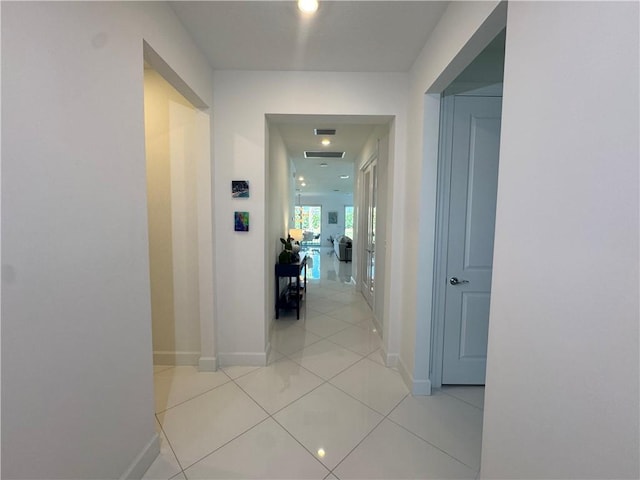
x,y
324,407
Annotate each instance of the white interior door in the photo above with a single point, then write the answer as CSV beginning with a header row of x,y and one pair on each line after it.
x,y
370,191
471,225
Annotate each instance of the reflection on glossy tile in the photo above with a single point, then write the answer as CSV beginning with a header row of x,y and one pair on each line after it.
x,y
237,371
374,385
287,321
446,422
324,305
177,384
266,451
392,452
377,356
351,297
328,423
361,340
279,384
205,423
274,356
316,291
351,313
325,358
323,325
290,340
327,384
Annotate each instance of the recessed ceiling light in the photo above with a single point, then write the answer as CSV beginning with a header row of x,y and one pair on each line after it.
x,y
344,177
326,142
324,164
301,178
308,6
303,184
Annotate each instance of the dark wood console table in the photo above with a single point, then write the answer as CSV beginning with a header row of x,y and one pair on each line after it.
x,y
293,290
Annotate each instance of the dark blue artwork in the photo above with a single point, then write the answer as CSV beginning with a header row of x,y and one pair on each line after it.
x,y
239,188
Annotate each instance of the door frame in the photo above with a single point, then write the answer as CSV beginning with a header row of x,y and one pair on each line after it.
x,y
363,226
418,377
445,146
207,360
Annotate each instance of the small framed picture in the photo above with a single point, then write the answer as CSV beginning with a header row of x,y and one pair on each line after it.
x,y
333,217
241,221
239,188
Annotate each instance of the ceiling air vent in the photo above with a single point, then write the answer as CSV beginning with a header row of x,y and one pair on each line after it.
x,y
324,131
323,154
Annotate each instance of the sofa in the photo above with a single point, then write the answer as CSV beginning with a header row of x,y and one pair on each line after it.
x,y
342,245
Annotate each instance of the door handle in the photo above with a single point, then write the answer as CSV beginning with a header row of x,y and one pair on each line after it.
x,y
455,281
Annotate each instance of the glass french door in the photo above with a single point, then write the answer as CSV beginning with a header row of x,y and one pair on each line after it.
x,y
370,186
348,221
309,219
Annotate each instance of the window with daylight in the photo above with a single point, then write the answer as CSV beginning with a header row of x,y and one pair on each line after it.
x,y
309,219
348,221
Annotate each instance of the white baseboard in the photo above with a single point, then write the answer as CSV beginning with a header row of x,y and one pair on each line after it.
x,y
417,387
144,459
161,357
421,387
208,364
392,359
257,359
404,373
267,352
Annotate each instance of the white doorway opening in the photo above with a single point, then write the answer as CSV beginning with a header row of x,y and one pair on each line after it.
x,y
177,144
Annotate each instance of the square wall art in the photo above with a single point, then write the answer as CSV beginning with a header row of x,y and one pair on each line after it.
x,y
240,188
241,221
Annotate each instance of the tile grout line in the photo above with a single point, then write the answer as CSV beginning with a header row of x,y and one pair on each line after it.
x,y
227,442
427,441
462,400
328,381
327,338
197,395
288,357
182,470
271,416
170,446
367,435
324,382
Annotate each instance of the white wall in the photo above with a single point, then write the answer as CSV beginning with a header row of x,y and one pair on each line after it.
x,y
462,33
280,197
378,146
171,153
562,374
241,100
330,202
77,392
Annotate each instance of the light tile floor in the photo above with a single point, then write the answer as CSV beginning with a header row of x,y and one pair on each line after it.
x,y
325,407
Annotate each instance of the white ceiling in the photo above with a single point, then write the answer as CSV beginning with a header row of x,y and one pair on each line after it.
x,y
343,36
298,134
